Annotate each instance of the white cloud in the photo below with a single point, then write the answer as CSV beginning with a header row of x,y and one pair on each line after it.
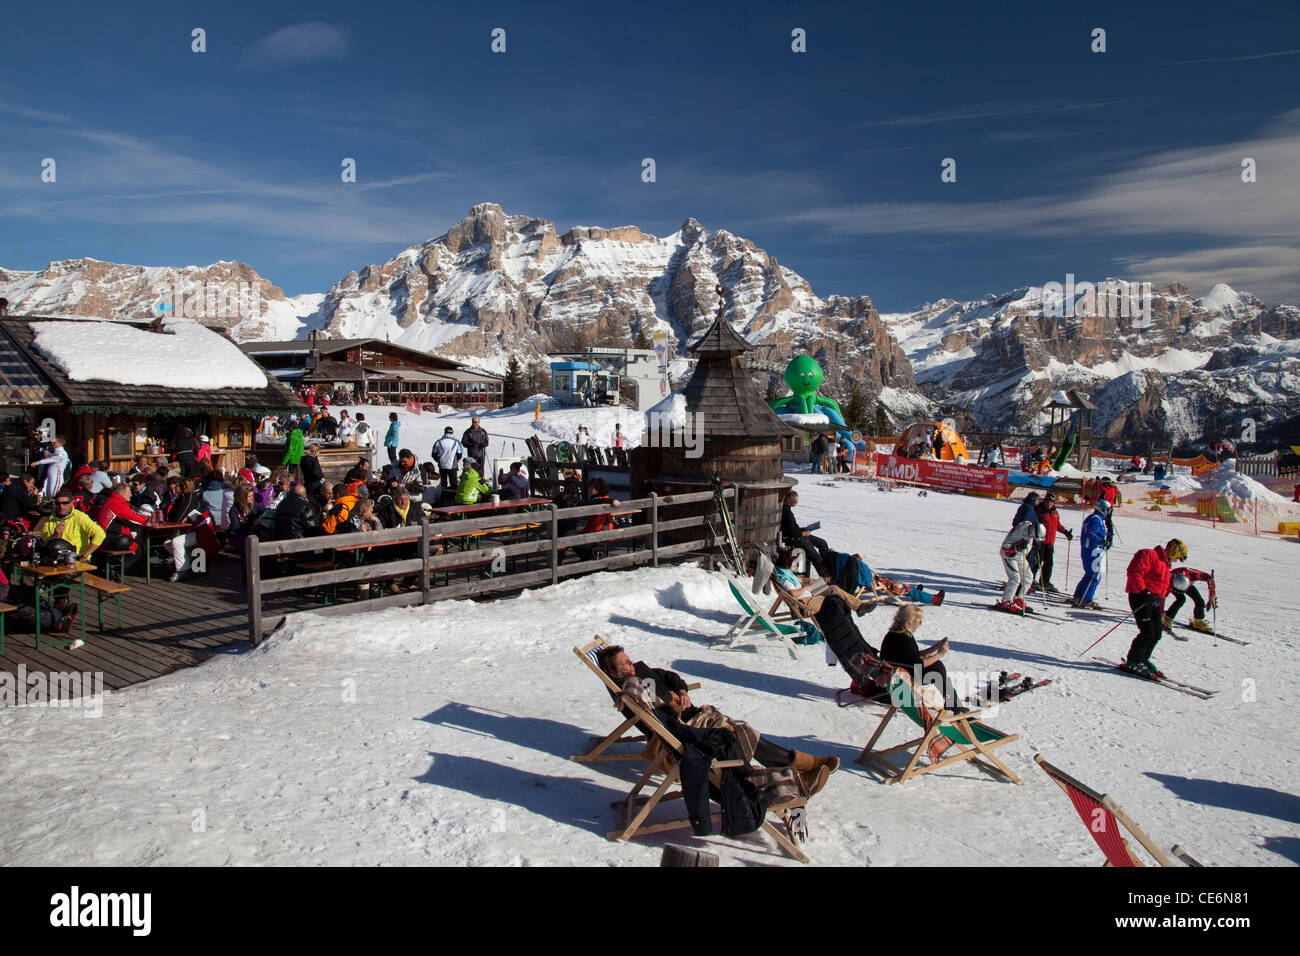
x,y
309,42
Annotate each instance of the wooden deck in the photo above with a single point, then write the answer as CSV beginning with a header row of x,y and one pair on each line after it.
x,y
165,627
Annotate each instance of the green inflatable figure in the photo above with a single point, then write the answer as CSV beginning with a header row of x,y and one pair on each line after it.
x,y
803,376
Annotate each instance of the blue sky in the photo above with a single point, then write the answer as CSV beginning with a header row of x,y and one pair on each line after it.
x,y
1122,163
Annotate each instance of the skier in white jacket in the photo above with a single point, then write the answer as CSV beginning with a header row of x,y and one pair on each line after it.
x,y
448,452
1014,548
56,464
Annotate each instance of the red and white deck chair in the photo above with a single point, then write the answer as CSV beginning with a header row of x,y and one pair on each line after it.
x,y
1103,818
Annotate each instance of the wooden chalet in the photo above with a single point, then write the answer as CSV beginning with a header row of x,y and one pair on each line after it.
x,y
116,421
377,372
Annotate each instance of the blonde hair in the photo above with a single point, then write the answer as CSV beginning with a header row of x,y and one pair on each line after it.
x,y
908,619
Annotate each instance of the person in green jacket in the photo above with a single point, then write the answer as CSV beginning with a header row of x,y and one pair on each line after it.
x,y
293,452
472,487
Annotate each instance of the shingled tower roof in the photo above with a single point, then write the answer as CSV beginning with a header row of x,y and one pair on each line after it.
x,y
722,390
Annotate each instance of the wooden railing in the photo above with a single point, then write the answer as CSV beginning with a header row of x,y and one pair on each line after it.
x,y
655,517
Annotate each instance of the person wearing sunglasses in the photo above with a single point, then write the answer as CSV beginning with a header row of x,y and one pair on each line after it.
x,y
73,526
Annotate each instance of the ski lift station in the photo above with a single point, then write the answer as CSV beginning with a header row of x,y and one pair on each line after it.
x,y
595,376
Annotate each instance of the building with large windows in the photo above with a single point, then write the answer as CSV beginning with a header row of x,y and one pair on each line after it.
x,y
376,372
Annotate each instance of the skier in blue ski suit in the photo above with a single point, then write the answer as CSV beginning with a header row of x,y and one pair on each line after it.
x,y
1094,539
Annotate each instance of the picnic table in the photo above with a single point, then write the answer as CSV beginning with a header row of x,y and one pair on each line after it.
x,y
171,529
483,507
46,582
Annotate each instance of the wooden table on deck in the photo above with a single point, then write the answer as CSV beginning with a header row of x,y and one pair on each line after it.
x,y
173,528
482,509
47,579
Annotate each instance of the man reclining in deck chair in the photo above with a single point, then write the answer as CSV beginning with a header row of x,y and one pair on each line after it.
x,y
654,688
859,659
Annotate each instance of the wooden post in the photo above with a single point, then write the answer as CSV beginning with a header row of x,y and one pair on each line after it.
x,y
253,589
555,544
424,557
675,855
654,530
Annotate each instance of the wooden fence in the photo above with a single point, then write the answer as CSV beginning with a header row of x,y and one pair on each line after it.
x,y
663,527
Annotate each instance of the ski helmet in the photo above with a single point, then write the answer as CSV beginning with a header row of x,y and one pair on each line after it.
x,y
1032,496
57,551
1176,550
1180,582
25,547
1102,506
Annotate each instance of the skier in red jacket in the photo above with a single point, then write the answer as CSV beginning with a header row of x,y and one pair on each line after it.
x,y
1050,519
1147,586
1181,581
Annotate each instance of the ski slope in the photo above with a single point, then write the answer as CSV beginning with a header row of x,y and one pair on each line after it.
x,y
441,734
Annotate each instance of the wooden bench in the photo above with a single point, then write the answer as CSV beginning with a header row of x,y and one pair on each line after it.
x,y
109,557
4,609
104,589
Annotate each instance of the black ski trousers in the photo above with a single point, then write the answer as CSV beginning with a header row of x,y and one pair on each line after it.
x,y
1146,613
1198,603
1042,555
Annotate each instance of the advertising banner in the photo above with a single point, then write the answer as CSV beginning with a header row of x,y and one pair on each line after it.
x,y
942,474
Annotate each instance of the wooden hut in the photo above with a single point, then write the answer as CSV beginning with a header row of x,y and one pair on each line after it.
x,y
107,418
741,436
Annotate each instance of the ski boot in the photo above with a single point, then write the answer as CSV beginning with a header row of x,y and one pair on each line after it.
x,y
1010,607
1166,621
1155,671
1051,589
937,599
1140,670
1092,606
1020,605
1199,624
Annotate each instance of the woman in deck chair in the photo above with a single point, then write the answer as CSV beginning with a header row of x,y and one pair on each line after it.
x,y
926,666
652,687
802,591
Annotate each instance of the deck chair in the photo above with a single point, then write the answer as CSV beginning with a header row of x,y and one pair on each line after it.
x,y
1103,818
666,762
598,748
944,731
755,618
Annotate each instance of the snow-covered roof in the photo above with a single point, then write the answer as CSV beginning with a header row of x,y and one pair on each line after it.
x,y
184,354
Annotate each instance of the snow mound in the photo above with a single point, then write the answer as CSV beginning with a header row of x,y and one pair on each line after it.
x,y
1225,480
184,355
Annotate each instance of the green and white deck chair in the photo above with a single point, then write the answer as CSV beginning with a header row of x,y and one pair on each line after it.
x,y
755,618
599,748
944,731
1103,818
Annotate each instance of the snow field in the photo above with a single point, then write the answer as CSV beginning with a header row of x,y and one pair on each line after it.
x,y
441,734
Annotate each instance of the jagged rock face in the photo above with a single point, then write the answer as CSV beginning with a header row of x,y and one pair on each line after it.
x,y
75,287
498,284
1181,367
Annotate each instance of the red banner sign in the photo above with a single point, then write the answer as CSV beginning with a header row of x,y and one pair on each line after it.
x,y
942,474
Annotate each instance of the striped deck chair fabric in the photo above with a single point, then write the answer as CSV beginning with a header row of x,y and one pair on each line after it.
x,y
1103,819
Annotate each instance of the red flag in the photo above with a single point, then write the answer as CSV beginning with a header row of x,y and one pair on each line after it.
x,y
413,406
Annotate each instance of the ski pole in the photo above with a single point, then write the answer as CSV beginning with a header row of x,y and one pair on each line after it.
x,y
1214,611
1106,635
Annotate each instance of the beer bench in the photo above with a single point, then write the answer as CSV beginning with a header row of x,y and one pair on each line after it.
x,y
4,609
105,589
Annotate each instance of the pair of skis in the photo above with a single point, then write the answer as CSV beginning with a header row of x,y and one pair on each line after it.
x,y
731,552
1028,612
1190,690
